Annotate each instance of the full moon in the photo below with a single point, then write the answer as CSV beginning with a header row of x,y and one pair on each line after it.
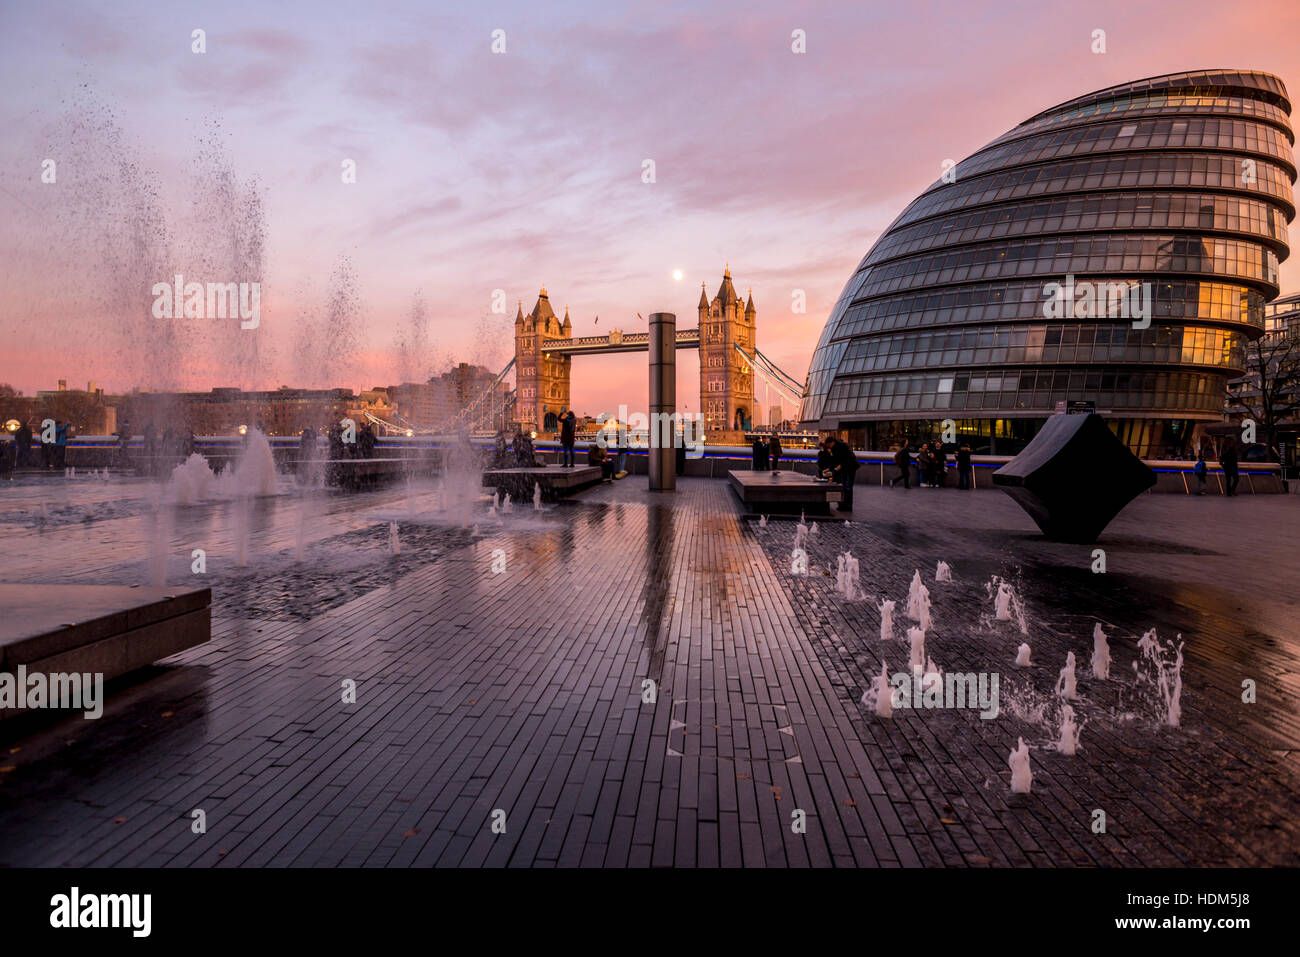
x,y
677,274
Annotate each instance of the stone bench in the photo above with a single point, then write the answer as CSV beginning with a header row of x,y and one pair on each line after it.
x,y
556,481
785,492
105,629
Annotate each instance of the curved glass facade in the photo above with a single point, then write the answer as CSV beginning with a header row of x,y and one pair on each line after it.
x,y
1176,190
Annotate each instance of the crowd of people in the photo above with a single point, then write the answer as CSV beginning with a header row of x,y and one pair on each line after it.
x,y
931,465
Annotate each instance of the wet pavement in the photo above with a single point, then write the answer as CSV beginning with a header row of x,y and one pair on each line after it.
x,y
501,668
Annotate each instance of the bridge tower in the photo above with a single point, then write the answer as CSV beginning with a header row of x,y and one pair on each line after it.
x,y
726,381
541,378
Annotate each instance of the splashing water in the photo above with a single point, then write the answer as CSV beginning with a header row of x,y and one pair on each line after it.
x,y
1166,676
918,602
762,521
537,496
880,696
1006,603
1100,653
916,640
812,531
505,504
1065,682
933,676
801,536
1022,778
1025,704
243,523
1068,742
1022,656
193,481
846,577
886,620
300,543
461,477
943,572
161,539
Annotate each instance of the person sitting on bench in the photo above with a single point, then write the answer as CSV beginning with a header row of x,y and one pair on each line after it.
x,y
597,456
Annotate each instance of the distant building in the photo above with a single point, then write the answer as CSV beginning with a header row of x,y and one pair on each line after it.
x,y
222,411
1175,190
437,403
89,411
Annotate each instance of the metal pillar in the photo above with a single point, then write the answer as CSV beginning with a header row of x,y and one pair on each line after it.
x,y
663,401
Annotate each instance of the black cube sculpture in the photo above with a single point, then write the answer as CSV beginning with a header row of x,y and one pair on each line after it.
x,y
1074,478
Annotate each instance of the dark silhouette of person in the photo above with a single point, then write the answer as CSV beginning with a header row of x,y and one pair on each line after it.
x,y
568,435
60,444
964,467
23,444
903,459
844,468
599,457
1228,461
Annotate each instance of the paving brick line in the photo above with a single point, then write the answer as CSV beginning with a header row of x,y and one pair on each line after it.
x,y
724,626
1159,814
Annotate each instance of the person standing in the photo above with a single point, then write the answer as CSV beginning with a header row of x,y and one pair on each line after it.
x,y
23,442
924,465
940,465
60,444
903,459
774,453
964,467
1228,460
844,469
620,470
756,450
1199,470
568,434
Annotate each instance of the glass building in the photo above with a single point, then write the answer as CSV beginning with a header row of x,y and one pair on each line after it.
x,y
1173,191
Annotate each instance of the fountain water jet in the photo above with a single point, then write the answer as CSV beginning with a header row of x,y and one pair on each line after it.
x,y
1065,682
1100,653
1068,742
1167,679
916,640
846,577
1022,777
918,602
886,620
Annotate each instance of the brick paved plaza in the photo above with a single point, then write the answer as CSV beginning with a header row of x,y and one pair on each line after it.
x,y
522,691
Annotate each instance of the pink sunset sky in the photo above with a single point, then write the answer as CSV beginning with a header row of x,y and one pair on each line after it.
x,y
480,171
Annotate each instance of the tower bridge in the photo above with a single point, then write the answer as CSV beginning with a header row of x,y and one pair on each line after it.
x,y
726,336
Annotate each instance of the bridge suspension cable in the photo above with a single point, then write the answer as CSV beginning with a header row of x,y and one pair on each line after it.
x,y
783,384
465,417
